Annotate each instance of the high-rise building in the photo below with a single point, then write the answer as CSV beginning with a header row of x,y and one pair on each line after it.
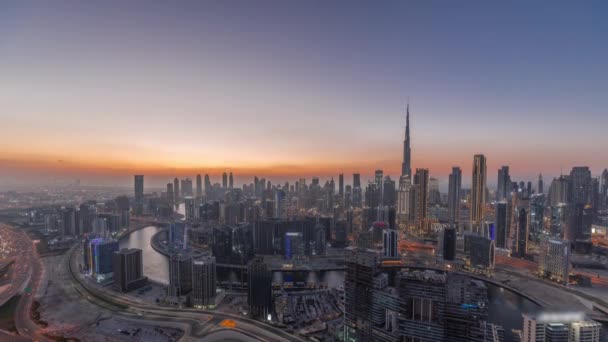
x,y
559,191
580,184
419,196
482,250
224,180
356,180
449,243
176,190
604,188
554,260
454,187
502,224
403,196
503,188
128,269
390,239
231,181
180,274
260,288
101,252
139,187
553,326
170,197
361,269
199,186
434,194
521,211
478,189
378,181
540,188
389,192
406,166
204,279
341,185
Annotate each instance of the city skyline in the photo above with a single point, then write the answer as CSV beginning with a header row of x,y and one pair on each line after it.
x,y
510,93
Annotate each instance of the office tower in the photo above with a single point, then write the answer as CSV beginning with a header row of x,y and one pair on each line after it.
x,y
280,204
128,269
180,274
503,188
101,252
420,196
482,250
537,215
189,204
231,181
361,269
466,310
170,197
424,296
529,189
356,180
199,186
580,184
406,167
478,189
224,180
559,191
389,192
139,187
68,219
540,188
502,227
604,188
259,295
434,194
187,187
341,185
554,260
521,210
403,196
454,187
449,243
378,181
176,190
204,278
390,238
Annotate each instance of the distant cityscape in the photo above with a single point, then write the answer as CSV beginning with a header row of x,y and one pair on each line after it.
x,y
382,261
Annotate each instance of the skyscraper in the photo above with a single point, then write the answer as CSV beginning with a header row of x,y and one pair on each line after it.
x,y
406,166
180,274
419,194
449,243
454,188
541,185
128,269
554,261
341,185
260,288
230,181
170,193
139,187
379,177
503,188
559,191
204,278
390,238
207,186
580,184
502,224
199,186
176,192
224,180
478,190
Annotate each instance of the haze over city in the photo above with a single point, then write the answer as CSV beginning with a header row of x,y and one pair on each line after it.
x,y
99,91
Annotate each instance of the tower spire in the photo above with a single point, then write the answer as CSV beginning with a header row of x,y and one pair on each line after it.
x,y
406,169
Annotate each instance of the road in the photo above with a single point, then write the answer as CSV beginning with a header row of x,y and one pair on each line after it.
x,y
198,328
23,319
16,246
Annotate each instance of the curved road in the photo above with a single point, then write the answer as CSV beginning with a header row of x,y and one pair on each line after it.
x,y
198,328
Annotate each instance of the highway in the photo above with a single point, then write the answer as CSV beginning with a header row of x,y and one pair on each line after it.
x,y
136,310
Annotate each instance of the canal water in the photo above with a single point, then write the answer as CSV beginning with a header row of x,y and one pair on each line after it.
x,y
505,307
